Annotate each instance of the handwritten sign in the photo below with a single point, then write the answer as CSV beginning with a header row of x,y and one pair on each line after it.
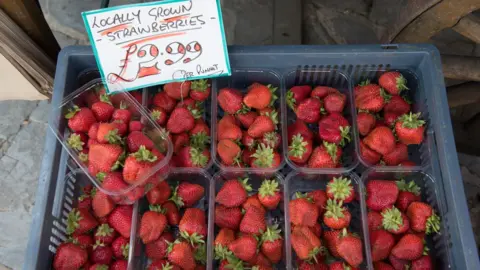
x,y
154,43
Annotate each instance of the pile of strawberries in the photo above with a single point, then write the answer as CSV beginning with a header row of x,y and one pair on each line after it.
x,y
244,238
110,141
386,124
94,242
173,230
179,108
398,222
311,213
322,108
248,135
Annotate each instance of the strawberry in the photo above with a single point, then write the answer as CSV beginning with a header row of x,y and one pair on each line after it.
x,y
248,141
317,229
305,243
326,155
227,130
229,152
171,212
397,263
340,189
247,156
246,118
230,100
69,256
258,96
303,212
162,265
187,194
349,248
224,237
336,216
152,224
381,243
138,165
409,247
393,82
341,266
101,254
265,157
122,113
397,105
408,193
177,90
272,139
80,119
159,115
80,221
233,192
162,100
272,244
371,98
334,129
159,194
93,130
423,263
423,218
394,221
135,126
252,201
244,247
121,219
200,90
331,239
253,221
200,127
193,157
193,226
375,221
319,197
308,110
299,149
180,254
262,124
381,194
179,141
407,163
304,265
365,122
84,201
335,102
103,158
103,109
269,194
389,118
409,128
120,247
297,94
121,127
108,133
398,155
299,127
119,265
260,262
321,92
381,140
368,155
85,241
180,120
382,266
105,234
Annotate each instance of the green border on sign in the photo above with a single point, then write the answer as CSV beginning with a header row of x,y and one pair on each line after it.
x,y
95,52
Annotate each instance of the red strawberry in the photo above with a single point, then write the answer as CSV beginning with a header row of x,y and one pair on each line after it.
x,y
319,197
101,254
103,157
108,133
84,201
381,194
152,224
120,247
138,164
381,140
85,241
308,110
334,129
375,221
258,96
299,149
303,212
397,105
299,127
272,244
304,265
297,94
317,229
229,152
260,126
336,216
389,118
187,194
180,120
340,189
230,100
341,266
365,122
103,109
179,141
80,221
121,219
224,237
253,221
200,90
326,155
80,119
321,92
200,127
305,243
121,127
393,82
177,90
260,262
265,157
180,254
248,141
159,194
135,126
409,247
398,155
335,102
272,139
252,201
371,98
162,100
193,226
349,247
159,115
381,243
247,118
92,132
105,234
122,114
397,263
269,194
119,265
233,192
228,217
162,265
407,163
368,155
409,129
244,247
408,193
382,266
171,212
423,263
247,156
227,130
331,238
193,157
423,218
69,256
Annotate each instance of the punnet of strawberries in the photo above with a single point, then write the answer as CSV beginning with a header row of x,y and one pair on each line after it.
x,y
248,236
248,134
180,107
119,148
320,130
399,223
95,242
320,223
386,123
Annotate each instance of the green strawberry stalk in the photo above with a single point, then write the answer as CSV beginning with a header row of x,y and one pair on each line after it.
x,y
334,209
75,142
271,234
291,100
196,113
299,195
199,140
331,149
274,96
198,158
245,184
271,139
433,224
263,156
392,219
409,187
345,133
201,254
401,83
222,252
385,95
364,83
83,157
340,187
72,111
268,188
155,114
411,120
143,154
105,99
235,263
199,85
298,146
274,116
243,110
113,137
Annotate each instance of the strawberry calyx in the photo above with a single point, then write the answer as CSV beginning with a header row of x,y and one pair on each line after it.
x,y
123,105
334,209
101,267
73,220
171,245
75,142
345,133
234,263
340,187
120,161
155,114
222,252
312,255
386,97
364,83
176,199
113,137
291,100
268,188
83,197
270,138
200,85
157,208
143,154
298,146
196,112
244,109
433,224
411,120
271,234
100,176
98,244
167,266
201,254
300,195
263,156
274,116
193,239
71,112
392,219
105,99
331,149
104,230
198,158
125,250
410,187
245,184
274,96
200,140
425,248
83,157
237,160
401,83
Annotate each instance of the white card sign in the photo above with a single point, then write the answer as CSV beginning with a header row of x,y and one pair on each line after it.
x,y
154,43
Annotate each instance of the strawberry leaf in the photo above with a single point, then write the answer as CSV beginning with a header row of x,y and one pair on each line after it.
x,y
392,219
75,142
200,85
298,146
